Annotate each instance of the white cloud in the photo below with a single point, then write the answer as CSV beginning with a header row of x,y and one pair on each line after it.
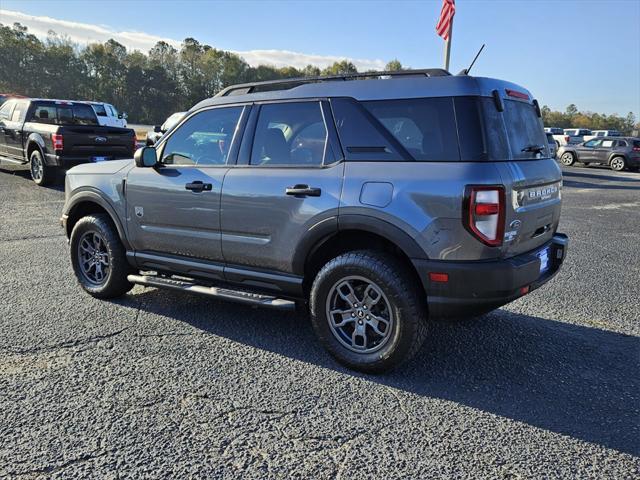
x,y
84,33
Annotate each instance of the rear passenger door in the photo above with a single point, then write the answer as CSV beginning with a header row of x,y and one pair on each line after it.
x,y
287,182
13,135
602,151
5,119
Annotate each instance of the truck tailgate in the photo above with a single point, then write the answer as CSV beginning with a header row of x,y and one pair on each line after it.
x,y
97,142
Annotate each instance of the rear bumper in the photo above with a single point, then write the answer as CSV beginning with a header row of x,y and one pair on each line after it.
x,y
474,288
633,161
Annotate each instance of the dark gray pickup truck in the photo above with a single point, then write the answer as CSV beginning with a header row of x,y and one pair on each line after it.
x,y
51,134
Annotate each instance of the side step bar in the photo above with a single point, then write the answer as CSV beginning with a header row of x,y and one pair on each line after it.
x,y
224,293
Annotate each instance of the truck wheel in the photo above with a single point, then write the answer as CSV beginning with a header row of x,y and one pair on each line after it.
x,y
617,164
367,311
99,258
41,173
567,159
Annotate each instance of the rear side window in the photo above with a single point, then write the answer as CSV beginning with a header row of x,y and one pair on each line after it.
x,y
425,127
45,114
84,115
289,134
524,130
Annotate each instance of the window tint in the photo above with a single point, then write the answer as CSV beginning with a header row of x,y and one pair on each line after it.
x,y
524,129
426,127
622,143
289,134
5,110
204,139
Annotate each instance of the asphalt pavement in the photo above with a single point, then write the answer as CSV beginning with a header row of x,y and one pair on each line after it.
x,y
163,385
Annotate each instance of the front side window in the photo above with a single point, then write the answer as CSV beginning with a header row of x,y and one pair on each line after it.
x,y
100,110
204,139
289,134
592,143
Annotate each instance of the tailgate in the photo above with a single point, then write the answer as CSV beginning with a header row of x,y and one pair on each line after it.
x,y
533,197
98,141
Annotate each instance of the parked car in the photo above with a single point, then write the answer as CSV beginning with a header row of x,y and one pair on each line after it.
x,y
379,202
108,115
159,130
602,133
616,152
553,144
576,135
48,134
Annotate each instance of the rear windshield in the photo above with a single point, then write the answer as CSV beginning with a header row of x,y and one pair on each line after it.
x,y
64,114
524,130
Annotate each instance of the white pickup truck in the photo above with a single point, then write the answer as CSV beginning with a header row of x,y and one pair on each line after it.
x,y
108,116
568,135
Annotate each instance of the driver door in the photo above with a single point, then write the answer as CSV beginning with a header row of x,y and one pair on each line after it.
x,y
587,151
174,208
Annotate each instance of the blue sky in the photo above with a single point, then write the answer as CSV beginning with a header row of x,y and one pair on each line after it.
x,y
584,52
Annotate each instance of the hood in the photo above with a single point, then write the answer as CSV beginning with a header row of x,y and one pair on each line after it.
x,y
101,168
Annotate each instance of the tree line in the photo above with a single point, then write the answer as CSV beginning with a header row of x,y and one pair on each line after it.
x,y
573,118
149,87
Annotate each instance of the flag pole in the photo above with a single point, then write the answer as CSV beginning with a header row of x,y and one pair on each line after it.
x,y
447,46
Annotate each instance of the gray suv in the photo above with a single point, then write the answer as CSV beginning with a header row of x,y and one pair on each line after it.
x,y
379,200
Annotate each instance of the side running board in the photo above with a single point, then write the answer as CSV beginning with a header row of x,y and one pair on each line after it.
x,y
224,293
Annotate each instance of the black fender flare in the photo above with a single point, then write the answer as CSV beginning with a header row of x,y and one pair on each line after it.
x,y
92,196
327,228
35,139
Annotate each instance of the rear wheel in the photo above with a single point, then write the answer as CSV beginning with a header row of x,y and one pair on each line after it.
x,y
617,164
567,159
367,311
99,258
41,173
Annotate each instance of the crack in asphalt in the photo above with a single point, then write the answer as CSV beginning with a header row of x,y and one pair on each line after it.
x,y
66,344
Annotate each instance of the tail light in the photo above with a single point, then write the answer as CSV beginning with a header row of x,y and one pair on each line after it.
x,y
636,149
58,143
484,213
566,138
135,142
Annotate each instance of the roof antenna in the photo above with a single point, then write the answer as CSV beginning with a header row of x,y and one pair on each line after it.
x,y
466,71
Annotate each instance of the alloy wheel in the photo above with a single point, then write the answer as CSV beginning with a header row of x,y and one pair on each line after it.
x,y
37,169
566,159
359,314
93,258
617,164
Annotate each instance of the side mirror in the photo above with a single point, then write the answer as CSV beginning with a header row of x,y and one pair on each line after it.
x,y
157,129
146,157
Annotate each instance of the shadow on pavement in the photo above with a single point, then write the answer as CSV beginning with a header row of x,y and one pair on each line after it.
x,y
572,184
57,184
609,178
568,379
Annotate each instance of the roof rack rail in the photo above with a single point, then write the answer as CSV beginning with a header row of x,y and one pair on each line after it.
x,y
253,87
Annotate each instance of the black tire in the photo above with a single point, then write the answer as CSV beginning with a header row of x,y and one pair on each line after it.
x,y
114,282
402,299
617,164
41,174
567,159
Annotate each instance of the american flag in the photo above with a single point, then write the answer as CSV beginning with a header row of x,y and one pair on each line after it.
x,y
446,17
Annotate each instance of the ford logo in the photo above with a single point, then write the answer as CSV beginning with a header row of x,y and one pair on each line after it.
x,y
101,139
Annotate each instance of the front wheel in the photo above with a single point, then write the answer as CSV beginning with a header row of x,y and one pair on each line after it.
x,y
567,159
41,173
617,164
99,258
367,311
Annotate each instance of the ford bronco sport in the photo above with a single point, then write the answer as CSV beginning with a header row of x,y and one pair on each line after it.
x,y
380,199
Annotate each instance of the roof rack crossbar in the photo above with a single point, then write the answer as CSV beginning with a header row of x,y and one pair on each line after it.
x,y
294,82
